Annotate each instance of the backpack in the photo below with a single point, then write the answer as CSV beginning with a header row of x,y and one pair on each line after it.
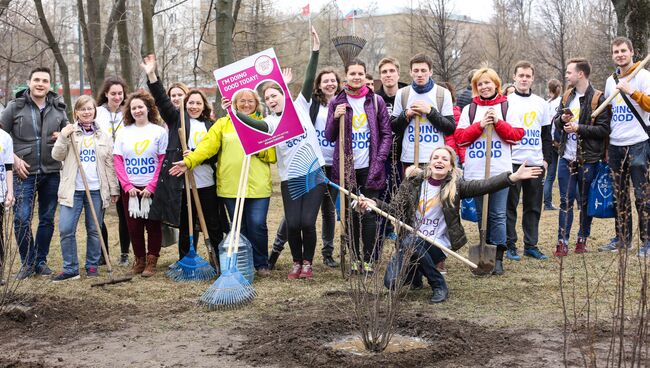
x,y
594,100
315,106
440,96
473,106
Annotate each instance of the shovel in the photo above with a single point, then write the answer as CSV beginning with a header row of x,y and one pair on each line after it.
x,y
483,254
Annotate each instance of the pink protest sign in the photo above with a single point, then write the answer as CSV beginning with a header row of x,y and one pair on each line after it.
x,y
250,74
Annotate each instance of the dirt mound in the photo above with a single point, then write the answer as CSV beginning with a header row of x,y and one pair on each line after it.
x,y
7,363
301,340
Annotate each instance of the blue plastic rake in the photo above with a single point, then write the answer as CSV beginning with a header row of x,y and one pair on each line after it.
x,y
191,267
306,174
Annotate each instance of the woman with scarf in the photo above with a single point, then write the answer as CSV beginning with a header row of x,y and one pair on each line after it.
x,y
94,148
429,200
367,141
489,107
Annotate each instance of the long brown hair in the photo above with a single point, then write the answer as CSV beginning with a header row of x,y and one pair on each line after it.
x,y
318,94
108,83
153,116
207,107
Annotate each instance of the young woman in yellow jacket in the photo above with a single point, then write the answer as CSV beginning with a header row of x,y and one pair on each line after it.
x,y
222,140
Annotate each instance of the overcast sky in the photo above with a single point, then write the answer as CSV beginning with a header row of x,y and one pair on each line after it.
x,y
476,9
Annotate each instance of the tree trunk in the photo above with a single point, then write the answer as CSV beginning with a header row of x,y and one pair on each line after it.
x,y
58,56
4,4
148,45
632,17
123,46
225,25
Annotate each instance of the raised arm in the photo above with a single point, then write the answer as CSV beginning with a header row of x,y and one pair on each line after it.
x,y
310,73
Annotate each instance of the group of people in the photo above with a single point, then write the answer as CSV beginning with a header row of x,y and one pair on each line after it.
x,y
403,146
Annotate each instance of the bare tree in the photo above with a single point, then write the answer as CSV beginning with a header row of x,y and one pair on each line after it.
x,y
443,36
501,48
4,4
632,16
225,25
147,8
58,56
97,50
124,45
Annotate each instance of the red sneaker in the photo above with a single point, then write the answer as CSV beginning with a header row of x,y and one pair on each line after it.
x,y
306,271
561,249
295,271
581,246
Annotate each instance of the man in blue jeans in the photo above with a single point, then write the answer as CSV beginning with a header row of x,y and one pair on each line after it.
x,y
582,145
629,150
34,120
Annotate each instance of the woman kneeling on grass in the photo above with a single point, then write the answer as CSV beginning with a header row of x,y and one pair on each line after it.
x,y
95,149
430,201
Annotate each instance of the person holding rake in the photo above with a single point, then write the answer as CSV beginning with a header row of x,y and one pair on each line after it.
x,y
95,150
430,202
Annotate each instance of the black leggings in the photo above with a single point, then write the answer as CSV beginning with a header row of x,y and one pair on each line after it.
x,y
364,225
213,208
300,215
123,230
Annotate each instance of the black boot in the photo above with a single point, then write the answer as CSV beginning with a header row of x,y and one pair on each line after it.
x,y
498,268
330,262
273,258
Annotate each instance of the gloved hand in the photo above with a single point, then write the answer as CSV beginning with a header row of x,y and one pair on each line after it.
x,y
134,207
145,205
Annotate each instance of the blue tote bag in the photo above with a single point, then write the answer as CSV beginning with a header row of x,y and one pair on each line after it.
x,y
601,194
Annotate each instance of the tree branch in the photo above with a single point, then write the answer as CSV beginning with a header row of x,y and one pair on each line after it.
x,y
168,8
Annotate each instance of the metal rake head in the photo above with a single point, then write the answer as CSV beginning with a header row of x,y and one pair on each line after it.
x,y
348,47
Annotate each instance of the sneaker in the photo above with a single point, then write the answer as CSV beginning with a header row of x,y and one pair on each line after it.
x,y
263,272
581,245
441,267
306,272
25,272
65,277
330,262
295,271
535,253
392,236
368,267
124,260
512,255
644,250
439,296
355,266
561,249
92,272
42,269
550,208
614,245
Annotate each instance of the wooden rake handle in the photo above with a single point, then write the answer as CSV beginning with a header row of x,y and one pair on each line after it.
x,y
342,170
617,91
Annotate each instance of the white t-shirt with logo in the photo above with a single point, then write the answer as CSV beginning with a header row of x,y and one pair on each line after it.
x,y
430,137
626,130
203,174
571,146
501,160
532,113
290,151
109,121
552,110
140,147
429,214
6,157
360,133
326,147
88,159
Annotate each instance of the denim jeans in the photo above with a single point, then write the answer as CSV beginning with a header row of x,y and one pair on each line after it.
x,y
421,263
550,179
569,177
46,187
496,221
631,162
253,227
68,219
532,210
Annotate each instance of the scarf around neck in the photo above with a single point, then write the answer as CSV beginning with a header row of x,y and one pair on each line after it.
x,y
423,89
356,93
495,100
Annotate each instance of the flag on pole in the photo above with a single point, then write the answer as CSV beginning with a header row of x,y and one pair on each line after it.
x,y
305,10
353,13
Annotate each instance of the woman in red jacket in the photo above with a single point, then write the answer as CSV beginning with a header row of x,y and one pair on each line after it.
x,y
489,107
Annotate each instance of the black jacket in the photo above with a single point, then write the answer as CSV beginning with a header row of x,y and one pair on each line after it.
x,y
166,205
592,137
405,202
32,129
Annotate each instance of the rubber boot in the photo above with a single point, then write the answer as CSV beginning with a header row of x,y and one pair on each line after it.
x,y
139,265
150,269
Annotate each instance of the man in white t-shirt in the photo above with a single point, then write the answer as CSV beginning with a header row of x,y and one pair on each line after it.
x,y
582,145
422,101
534,149
629,148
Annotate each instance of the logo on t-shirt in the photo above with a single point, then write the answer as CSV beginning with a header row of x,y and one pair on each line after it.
x,y
529,118
358,121
198,137
141,146
423,207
